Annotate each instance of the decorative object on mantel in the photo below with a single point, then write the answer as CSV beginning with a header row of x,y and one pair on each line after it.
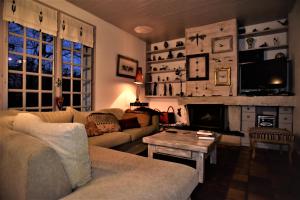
x,y
180,55
242,30
198,67
159,58
179,44
283,23
166,44
126,67
170,90
155,48
222,77
179,75
222,44
139,80
250,42
154,58
276,41
165,89
279,55
264,45
170,55
155,89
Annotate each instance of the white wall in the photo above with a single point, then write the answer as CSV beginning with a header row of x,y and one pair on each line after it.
x,y
109,90
294,42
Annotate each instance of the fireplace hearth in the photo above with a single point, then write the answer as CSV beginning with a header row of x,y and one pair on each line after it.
x,y
208,116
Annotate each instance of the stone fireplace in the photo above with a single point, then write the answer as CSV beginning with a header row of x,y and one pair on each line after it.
x,y
208,116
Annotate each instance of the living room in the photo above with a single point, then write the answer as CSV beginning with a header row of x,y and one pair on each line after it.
x,y
164,41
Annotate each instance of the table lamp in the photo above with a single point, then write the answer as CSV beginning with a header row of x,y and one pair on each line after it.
x,y
139,80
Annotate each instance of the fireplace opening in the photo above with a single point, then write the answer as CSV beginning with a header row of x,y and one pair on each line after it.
x,y
208,116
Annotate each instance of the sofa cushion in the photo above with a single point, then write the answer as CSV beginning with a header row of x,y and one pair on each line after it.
x,y
109,140
129,123
137,133
143,117
55,117
78,116
118,175
7,118
69,140
104,122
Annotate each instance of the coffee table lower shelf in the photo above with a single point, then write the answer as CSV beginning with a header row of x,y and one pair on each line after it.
x,y
197,156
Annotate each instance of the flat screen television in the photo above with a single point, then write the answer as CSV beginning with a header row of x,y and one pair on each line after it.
x,y
269,77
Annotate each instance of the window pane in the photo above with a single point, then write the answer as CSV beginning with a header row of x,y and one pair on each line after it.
x,y
76,85
15,81
46,83
47,38
66,85
15,28
77,46
14,99
15,62
67,101
47,110
76,58
76,72
47,51
66,70
67,44
15,44
32,82
76,99
46,99
66,56
32,64
32,47
47,67
32,99
32,33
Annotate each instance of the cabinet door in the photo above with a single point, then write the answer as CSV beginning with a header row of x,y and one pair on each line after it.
x,y
248,116
287,126
248,109
285,110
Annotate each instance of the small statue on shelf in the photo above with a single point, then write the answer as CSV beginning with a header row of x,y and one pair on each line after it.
x,y
155,89
165,89
170,90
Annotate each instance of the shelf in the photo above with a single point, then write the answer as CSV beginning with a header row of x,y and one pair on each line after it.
x,y
166,60
266,48
155,96
165,82
163,71
260,33
166,50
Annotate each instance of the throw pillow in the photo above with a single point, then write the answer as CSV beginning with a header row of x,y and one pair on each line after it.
x,y
129,123
143,118
67,139
103,122
78,116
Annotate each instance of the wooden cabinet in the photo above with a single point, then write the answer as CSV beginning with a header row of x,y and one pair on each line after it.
x,y
285,118
248,121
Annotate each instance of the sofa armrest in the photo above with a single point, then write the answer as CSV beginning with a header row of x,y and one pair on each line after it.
x,y
155,122
29,168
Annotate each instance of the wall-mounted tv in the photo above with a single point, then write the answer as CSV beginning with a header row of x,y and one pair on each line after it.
x,y
269,77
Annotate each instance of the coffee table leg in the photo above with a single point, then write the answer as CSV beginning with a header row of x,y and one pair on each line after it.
x,y
150,150
213,155
200,164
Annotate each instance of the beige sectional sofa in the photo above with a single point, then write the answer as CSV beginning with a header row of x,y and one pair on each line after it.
x,y
31,169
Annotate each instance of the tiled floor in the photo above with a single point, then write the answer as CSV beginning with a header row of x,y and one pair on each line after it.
x,y
237,177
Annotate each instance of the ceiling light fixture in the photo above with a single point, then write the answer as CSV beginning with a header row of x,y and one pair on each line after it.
x,y
143,29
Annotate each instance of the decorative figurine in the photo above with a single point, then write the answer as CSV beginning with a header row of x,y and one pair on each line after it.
x,y
165,89
155,89
170,90
250,43
155,48
158,78
166,44
179,44
154,58
170,55
276,41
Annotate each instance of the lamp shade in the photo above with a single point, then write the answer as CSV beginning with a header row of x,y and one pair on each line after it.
x,y
139,79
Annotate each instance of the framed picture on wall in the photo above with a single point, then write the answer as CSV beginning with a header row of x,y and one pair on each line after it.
x,y
197,67
126,67
222,44
223,77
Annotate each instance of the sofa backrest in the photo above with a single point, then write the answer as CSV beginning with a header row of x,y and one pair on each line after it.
x,y
56,116
115,111
30,169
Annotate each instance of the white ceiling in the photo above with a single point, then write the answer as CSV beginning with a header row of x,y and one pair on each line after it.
x,y
169,18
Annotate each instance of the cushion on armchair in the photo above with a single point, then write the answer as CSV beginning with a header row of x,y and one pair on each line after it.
x,y
69,140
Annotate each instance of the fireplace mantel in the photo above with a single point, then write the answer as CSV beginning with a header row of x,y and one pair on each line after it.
x,y
240,100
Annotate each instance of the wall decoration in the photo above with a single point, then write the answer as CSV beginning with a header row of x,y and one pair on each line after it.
x,y
126,67
250,43
223,77
198,67
197,37
222,44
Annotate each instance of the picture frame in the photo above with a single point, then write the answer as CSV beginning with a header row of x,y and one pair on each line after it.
x,y
222,44
197,67
223,76
126,67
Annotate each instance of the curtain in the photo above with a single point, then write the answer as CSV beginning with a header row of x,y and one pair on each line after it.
x,y
75,30
31,14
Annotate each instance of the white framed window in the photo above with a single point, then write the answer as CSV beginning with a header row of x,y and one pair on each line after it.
x,y
30,69
76,73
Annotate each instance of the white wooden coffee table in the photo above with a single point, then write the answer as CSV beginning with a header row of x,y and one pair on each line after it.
x,y
184,144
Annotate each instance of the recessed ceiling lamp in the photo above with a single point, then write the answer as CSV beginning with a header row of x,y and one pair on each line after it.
x,y
143,29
